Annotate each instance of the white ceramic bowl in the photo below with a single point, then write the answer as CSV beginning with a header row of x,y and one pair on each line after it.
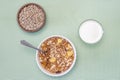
x,y
62,73
91,31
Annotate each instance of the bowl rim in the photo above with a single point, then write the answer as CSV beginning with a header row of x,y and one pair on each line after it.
x,y
63,73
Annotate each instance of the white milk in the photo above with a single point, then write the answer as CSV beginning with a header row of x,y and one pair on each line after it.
x,y
90,31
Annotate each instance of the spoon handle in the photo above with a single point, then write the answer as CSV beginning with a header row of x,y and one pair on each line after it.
x,y
25,43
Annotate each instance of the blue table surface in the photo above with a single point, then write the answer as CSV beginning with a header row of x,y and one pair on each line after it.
x,y
100,61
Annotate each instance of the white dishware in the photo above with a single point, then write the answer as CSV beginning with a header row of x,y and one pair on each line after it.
x,y
62,73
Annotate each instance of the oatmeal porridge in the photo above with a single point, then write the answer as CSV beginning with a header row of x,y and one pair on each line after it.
x,y
31,17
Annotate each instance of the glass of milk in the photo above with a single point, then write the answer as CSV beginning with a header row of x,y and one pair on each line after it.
x,y
91,31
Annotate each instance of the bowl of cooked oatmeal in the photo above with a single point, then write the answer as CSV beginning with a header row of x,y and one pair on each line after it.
x,y
57,57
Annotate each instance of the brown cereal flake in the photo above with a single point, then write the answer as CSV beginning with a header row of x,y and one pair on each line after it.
x,y
54,60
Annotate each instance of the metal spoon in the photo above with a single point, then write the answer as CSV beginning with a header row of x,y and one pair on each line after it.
x,y
25,43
